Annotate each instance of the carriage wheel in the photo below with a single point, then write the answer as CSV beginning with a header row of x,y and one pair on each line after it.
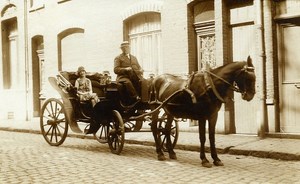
x,y
53,124
162,132
116,133
101,134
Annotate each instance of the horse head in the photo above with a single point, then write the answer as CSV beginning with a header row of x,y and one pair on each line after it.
x,y
245,80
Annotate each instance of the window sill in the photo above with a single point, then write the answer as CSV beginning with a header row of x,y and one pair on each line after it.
x,y
36,8
62,1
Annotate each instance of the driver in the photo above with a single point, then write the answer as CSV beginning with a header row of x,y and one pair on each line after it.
x,y
129,72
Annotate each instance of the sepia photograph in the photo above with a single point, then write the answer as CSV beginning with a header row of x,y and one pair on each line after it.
x,y
150,91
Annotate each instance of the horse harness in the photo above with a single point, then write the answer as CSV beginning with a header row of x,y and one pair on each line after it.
x,y
210,85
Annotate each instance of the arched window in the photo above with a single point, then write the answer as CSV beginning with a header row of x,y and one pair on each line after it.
x,y
71,49
10,67
144,32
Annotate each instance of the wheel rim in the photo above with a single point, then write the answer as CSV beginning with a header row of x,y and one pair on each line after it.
x,y
53,123
116,133
162,133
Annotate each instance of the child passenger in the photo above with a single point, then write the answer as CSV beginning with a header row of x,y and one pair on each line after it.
x,y
84,87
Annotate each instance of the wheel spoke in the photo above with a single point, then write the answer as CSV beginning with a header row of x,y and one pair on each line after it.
x,y
164,140
49,113
59,133
55,110
51,136
55,134
103,132
52,110
47,117
50,128
63,127
58,113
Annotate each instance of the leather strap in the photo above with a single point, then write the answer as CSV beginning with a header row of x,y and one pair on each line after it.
x,y
208,79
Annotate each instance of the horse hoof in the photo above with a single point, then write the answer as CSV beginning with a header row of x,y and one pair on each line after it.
x,y
161,157
173,156
218,163
205,163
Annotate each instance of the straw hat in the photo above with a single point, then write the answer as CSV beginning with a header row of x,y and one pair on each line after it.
x,y
124,44
80,69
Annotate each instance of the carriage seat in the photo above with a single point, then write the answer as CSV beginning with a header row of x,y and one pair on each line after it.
x,y
99,81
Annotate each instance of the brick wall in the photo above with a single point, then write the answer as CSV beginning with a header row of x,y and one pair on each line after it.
x,y
102,22
174,36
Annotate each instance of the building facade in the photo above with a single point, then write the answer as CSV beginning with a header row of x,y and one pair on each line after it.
x,y
40,38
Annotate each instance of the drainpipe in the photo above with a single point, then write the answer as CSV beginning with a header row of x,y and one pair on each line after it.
x,y
263,117
26,60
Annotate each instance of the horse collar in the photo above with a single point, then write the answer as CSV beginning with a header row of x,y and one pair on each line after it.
x,y
187,88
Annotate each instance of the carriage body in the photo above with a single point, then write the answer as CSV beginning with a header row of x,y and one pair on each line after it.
x,y
112,117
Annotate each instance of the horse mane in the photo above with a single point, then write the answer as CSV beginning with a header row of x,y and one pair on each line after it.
x,y
232,65
229,67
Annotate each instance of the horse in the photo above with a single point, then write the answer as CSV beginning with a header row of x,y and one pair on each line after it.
x,y
200,97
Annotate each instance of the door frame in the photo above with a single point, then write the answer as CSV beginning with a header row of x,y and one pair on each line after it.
x,y
282,24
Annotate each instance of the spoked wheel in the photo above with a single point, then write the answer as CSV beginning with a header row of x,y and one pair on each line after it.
x,y
162,131
116,133
53,124
102,134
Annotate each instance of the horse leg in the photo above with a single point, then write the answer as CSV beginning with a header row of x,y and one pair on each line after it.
x,y
201,125
172,154
160,154
212,126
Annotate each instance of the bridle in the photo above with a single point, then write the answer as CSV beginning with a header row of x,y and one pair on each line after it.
x,y
233,86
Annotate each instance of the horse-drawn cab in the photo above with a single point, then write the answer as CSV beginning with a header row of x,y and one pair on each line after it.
x,y
111,117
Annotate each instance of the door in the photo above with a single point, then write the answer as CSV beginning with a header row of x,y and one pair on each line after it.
x,y
243,44
289,60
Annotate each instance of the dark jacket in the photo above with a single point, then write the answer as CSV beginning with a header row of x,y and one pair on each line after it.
x,y
122,61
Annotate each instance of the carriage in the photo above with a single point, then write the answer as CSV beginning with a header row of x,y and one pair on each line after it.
x,y
112,117
198,97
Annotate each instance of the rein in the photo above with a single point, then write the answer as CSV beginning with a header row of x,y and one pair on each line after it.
x,y
234,86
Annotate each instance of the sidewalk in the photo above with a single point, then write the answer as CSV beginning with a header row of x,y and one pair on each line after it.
x,y
275,148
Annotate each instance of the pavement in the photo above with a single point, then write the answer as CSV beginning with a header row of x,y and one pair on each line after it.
x,y
274,146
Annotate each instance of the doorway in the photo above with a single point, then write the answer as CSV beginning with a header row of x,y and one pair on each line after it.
x,y
37,73
289,67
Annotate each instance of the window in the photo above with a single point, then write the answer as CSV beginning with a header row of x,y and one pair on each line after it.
x,y
144,31
10,64
71,49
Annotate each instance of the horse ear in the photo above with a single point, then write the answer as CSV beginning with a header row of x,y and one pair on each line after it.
x,y
249,61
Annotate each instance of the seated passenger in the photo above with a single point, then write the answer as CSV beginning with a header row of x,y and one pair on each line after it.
x,y
84,87
129,72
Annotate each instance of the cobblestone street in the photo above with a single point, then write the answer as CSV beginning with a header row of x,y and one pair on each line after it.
x,y
27,158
